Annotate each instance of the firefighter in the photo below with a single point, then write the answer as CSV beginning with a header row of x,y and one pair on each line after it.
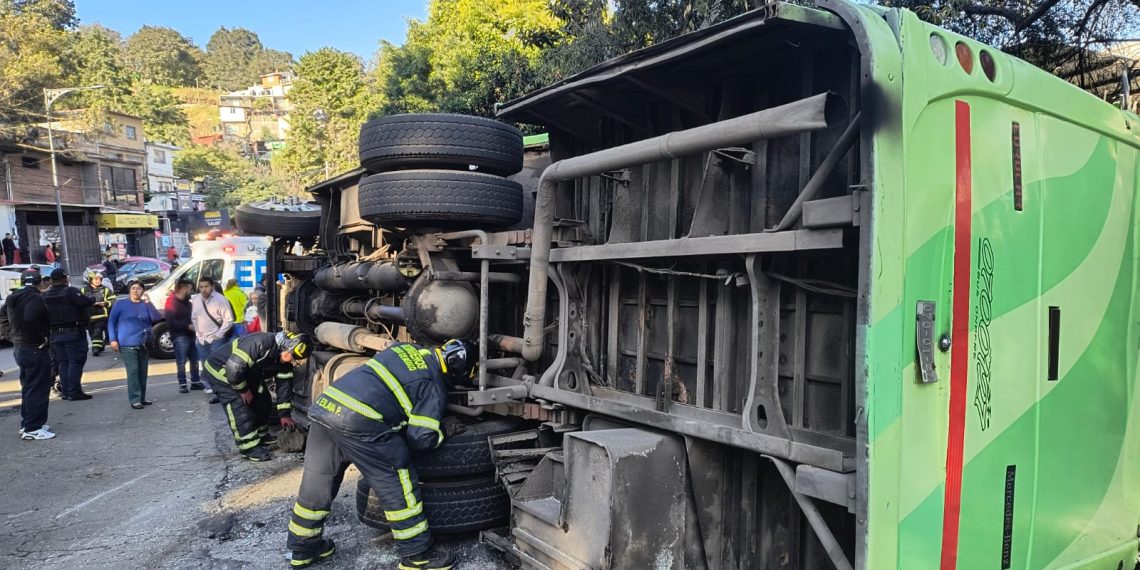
x,y
103,297
373,417
238,371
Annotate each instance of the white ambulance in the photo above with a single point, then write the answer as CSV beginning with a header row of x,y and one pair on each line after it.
x,y
224,258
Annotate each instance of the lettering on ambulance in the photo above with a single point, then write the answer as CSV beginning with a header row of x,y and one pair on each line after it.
x,y
983,314
249,272
411,358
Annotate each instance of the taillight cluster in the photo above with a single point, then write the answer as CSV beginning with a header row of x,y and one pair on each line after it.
x,y
965,56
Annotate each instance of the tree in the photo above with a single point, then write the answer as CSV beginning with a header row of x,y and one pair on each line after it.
x,y
31,56
467,56
59,14
229,54
596,30
270,61
229,179
163,56
235,59
160,110
331,99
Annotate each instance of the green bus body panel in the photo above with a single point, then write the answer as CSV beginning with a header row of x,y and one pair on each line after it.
x,y
1060,458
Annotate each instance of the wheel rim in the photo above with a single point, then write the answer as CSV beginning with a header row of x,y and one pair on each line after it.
x,y
165,343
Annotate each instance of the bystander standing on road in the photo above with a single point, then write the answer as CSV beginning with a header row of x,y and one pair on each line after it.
x,y
68,318
110,268
181,327
238,302
27,317
252,319
104,297
9,246
213,320
130,330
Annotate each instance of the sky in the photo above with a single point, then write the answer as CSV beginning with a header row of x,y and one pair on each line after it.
x,y
295,26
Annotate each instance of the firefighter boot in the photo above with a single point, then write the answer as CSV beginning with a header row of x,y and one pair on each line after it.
x,y
306,559
430,559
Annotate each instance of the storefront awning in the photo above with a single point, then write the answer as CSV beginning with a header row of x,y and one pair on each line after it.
x,y
127,221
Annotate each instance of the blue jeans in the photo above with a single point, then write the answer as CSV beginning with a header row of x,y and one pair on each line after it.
x,y
136,359
70,350
186,352
204,349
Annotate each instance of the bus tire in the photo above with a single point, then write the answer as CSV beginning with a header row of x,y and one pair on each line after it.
x,y
452,506
279,220
440,199
440,140
466,453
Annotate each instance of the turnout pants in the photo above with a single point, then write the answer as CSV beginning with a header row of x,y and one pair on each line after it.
x,y
98,330
248,423
387,466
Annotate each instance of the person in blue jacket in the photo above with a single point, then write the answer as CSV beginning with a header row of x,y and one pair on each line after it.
x,y
129,329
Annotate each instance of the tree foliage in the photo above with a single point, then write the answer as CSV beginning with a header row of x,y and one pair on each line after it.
x,y
163,56
31,54
235,59
593,31
229,179
467,56
331,98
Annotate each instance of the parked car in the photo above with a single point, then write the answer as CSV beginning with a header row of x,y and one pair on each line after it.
x,y
44,268
98,267
148,270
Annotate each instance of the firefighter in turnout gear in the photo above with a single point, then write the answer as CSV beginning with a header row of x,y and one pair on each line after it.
x,y
238,371
104,297
373,417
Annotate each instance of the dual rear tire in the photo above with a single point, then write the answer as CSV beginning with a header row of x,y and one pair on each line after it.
x,y
459,489
440,171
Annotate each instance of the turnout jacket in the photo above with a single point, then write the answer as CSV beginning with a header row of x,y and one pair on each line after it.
x,y
402,388
100,294
244,363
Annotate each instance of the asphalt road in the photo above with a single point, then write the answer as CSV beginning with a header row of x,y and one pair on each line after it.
x,y
161,487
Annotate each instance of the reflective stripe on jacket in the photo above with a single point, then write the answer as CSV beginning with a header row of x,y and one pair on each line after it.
x,y
400,389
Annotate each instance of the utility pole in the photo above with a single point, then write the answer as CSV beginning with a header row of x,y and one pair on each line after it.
x,y
50,96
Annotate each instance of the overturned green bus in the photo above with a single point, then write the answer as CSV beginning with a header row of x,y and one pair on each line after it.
x,y
811,288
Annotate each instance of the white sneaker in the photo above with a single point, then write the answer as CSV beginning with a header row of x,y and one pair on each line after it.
x,y
41,433
207,390
45,426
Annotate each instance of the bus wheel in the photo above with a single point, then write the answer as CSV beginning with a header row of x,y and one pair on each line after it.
x,y
440,140
279,219
452,506
451,199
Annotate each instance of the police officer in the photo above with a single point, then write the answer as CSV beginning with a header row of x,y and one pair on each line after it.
x,y
373,417
238,371
104,297
68,320
27,317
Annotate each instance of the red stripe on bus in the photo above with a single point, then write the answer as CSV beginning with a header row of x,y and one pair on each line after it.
x,y
960,331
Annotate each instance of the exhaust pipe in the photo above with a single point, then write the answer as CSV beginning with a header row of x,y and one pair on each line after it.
x,y
801,116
